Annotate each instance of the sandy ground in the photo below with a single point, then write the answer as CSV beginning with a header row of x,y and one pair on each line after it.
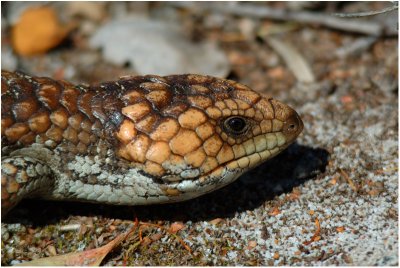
x,y
329,199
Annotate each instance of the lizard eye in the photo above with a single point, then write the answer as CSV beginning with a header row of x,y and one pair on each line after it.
x,y
236,125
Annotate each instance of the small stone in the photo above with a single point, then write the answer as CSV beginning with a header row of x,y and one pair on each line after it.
x,y
252,244
4,234
51,250
16,228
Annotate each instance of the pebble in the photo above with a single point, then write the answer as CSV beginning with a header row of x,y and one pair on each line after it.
x,y
16,228
4,234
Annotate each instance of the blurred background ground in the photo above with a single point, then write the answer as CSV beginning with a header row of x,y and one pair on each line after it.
x,y
329,199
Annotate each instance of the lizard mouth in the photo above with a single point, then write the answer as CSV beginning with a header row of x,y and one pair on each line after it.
x,y
223,175
267,145
265,149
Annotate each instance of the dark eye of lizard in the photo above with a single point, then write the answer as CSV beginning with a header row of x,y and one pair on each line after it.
x,y
236,125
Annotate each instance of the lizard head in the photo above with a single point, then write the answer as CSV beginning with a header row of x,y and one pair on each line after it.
x,y
193,134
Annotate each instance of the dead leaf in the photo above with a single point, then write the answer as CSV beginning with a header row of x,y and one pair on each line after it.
x,y
294,195
37,31
333,181
146,241
175,227
275,211
374,192
340,229
156,236
215,221
92,257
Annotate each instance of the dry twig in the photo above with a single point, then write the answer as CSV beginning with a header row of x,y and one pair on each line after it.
x,y
368,13
353,186
316,236
356,47
293,59
264,12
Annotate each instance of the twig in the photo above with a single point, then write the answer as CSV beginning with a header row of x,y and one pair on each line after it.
x,y
264,12
356,47
293,59
70,227
349,181
316,236
367,13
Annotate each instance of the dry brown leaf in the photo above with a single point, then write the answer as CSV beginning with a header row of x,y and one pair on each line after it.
x,y
340,229
215,221
294,195
156,237
175,227
275,211
92,257
37,31
146,241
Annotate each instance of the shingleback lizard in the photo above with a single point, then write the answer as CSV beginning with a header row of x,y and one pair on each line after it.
x,y
135,141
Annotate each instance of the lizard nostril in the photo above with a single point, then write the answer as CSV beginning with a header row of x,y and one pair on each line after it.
x,y
292,127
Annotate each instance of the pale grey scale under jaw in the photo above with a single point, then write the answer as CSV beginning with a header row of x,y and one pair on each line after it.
x,y
191,189
129,188
124,186
129,183
134,188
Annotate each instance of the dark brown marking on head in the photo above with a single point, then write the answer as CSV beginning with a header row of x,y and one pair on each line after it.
x,y
175,109
69,99
48,92
84,104
24,109
96,105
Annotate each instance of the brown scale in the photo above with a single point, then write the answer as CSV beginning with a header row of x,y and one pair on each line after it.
x,y
148,120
